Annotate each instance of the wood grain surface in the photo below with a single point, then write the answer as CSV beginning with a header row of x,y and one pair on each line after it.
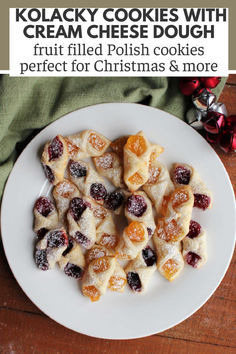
x,y
212,329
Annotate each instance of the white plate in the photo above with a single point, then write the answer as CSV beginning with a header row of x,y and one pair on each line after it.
x,y
120,316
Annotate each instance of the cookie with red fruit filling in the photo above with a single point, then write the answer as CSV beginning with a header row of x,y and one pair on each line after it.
x,y
184,174
54,159
45,216
194,246
81,222
140,270
72,261
115,200
49,249
87,180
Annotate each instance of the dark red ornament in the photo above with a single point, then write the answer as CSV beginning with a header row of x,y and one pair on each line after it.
x,y
231,121
188,85
227,139
212,138
218,127
214,122
210,82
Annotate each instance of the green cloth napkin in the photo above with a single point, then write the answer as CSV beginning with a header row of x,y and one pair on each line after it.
x,y
29,104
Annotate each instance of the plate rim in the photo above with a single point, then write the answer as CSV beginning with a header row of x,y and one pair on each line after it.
x,y
21,285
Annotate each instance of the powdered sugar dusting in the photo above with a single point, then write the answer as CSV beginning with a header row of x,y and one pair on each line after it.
x,y
63,193
65,189
95,253
72,148
168,231
179,198
99,212
153,175
82,239
136,205
116,283
85,222
100,265
171,266
55,149
182,175
109,241
105,162
96,142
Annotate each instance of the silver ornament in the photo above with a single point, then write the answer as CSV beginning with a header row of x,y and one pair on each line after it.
x,y
194,118
220,108
204,99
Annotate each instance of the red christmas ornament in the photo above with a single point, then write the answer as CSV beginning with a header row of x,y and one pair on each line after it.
x,y
214,122
210,82
231,121
212,138
212,116
189,85
227,139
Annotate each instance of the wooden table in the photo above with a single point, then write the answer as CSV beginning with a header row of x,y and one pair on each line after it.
x,y
212,329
